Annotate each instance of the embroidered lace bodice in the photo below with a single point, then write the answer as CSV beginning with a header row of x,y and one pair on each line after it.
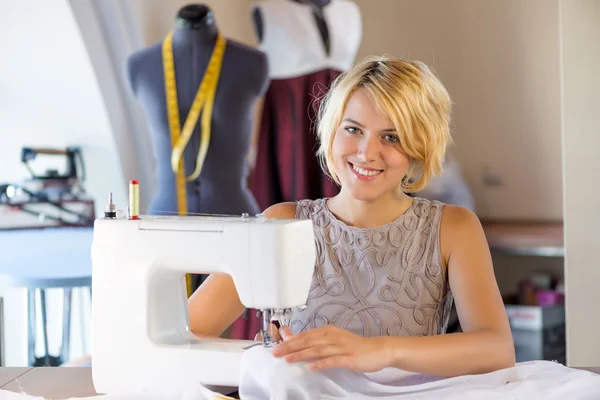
x,y
385,281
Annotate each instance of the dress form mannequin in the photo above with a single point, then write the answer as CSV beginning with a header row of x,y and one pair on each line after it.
x,y
221,186
308,44
318,14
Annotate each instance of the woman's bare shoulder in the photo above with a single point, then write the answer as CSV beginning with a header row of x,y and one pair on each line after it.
x,y
285,210
454,216
460,227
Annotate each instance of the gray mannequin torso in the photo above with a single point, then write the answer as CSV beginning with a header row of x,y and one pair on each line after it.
x,y
221,187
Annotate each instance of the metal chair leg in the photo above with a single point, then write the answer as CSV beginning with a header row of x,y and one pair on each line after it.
x,y
31,327
2,331
83,332
45,326
66,328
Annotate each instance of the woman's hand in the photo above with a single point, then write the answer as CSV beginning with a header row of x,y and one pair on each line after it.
x,y
331,347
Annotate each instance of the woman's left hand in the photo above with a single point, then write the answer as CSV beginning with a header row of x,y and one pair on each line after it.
x,y
332,347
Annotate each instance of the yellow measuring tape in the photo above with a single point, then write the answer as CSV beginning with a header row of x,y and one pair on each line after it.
x,y
203,102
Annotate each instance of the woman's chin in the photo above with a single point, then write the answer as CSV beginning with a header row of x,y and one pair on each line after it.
x,y
367,194
368,189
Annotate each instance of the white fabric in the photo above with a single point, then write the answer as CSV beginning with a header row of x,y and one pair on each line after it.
x,y
293,43
267,378
543,380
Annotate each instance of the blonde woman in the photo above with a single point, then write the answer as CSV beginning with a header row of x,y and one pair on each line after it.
x,y
389,265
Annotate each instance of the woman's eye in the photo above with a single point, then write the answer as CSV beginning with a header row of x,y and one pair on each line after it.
x,y
352,129
392,138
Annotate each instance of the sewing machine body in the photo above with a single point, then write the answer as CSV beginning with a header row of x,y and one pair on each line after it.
x,y
141,341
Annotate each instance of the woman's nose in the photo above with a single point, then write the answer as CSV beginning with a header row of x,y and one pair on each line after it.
x,y
368,148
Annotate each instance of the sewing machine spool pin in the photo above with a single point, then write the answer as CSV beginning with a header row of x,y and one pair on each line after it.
x,y
110,210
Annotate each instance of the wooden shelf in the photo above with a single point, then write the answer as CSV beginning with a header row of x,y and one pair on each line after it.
x,y
525,238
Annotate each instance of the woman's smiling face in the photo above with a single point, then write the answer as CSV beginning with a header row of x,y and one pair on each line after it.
x,y
368,158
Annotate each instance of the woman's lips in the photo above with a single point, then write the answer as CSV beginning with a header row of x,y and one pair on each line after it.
x,y
364,174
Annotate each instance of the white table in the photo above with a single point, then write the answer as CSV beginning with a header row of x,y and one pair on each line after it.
x,y
40,259
53,383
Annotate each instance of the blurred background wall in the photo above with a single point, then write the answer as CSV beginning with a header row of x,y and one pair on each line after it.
x,y
500,60
581,141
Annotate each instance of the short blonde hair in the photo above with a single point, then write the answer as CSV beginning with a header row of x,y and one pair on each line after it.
x,y
411,96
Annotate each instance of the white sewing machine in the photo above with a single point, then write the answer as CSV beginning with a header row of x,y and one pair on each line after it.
x,y
141,340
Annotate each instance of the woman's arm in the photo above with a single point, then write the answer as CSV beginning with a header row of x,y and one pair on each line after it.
x,y
486,342
215,305
485,345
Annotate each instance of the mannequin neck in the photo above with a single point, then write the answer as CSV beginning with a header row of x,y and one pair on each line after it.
x,y
195,24
318,3
182,36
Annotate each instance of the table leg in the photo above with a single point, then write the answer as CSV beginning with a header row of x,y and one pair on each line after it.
x,y
2,356
31,327
66,338
45,326
83,320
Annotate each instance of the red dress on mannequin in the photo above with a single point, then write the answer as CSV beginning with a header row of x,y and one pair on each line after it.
x,y
286,166
301,72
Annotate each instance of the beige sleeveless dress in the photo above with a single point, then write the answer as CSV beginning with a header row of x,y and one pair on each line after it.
x,y
385,281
